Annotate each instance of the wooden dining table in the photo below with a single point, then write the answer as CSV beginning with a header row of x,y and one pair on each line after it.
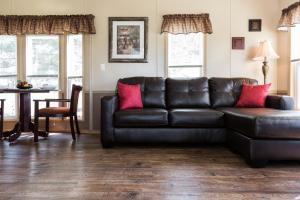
x,y
24,124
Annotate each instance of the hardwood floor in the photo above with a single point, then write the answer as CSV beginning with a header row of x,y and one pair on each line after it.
x,y
58,168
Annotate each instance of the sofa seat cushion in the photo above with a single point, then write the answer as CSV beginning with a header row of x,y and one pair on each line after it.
x,y
148,117
196,118
263,123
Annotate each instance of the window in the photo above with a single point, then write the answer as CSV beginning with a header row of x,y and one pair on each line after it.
x,y
55,61
8,72
295,40
295,64
185,55
42,65
74,66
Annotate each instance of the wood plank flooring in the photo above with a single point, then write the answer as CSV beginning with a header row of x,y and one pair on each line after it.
x,y
58,168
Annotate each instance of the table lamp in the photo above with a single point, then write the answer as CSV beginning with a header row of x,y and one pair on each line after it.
x,y
264,53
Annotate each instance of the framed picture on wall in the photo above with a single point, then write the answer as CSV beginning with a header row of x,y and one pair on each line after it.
x,y
255,25
128,39
238,43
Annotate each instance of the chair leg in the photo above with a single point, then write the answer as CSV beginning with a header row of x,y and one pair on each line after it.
x,y
36,122
1,127
77,125
36,128
47,125
72,128
2,120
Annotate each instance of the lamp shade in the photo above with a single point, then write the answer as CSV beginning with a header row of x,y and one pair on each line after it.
x,y
265,51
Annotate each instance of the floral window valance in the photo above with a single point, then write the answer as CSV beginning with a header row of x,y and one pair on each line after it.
x,y
46,24
186,23
290,17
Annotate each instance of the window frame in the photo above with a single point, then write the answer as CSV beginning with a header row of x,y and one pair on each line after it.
x,y
62,74
202,67
13,118
294,66
66,78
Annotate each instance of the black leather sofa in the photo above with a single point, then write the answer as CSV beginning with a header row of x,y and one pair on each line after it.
x,y
201,111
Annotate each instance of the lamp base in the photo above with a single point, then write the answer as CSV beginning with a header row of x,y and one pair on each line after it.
x,y
265,70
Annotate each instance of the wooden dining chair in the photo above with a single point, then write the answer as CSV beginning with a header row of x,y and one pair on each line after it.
x,y
1,117
48,112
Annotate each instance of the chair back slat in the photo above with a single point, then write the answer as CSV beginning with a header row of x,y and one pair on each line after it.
x,y
76,89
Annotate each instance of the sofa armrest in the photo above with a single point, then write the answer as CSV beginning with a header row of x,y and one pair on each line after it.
x,y
109,104
280,102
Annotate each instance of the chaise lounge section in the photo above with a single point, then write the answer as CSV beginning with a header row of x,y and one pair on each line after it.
x,y
260,135
202,111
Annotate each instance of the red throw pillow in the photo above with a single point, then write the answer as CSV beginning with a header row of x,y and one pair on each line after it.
x,y
253,96
130,96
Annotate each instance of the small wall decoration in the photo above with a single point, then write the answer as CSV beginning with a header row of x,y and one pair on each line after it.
x,y
255,25
238,43
128,39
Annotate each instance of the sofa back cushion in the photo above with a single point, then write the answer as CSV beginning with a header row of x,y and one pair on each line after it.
x,y
225,92
188,93
152,89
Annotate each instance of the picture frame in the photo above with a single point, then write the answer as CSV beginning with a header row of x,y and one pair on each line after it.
x,y
255,25
128,39
238,43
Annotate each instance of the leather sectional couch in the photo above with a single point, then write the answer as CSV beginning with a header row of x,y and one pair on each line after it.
x,y
202,111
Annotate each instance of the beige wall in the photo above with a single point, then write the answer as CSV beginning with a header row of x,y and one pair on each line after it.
x,y
284,51
241,62
229,18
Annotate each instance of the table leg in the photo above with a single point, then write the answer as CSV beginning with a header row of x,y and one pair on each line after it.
x,y
13,134
25,112
6,134
24,124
